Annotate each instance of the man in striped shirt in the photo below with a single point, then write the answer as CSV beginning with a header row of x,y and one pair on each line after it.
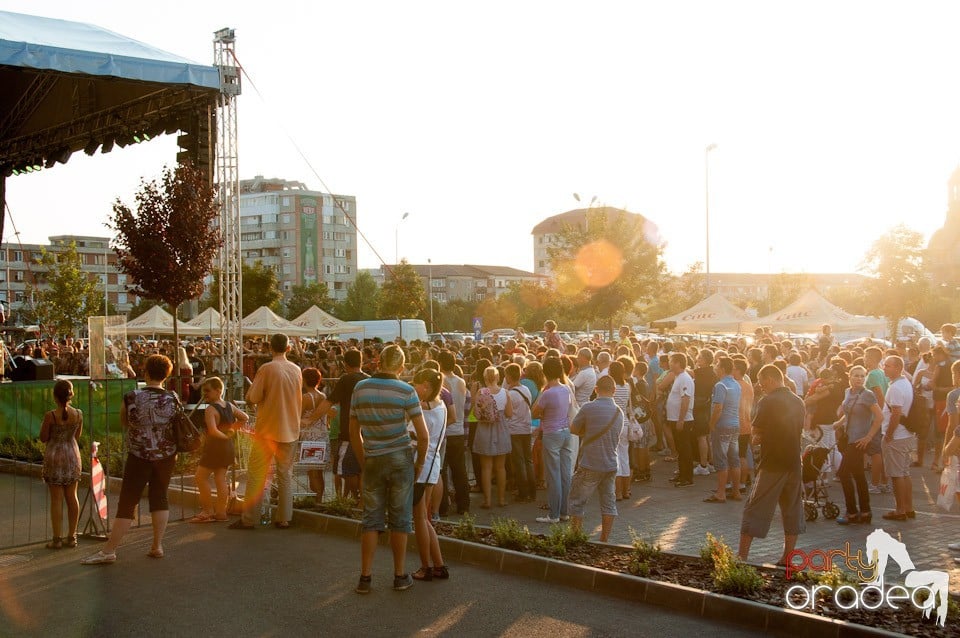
x,y
380,408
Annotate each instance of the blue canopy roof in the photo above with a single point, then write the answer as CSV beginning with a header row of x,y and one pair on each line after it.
x,y
74,47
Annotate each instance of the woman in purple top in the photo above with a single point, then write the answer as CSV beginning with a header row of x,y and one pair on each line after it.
x,y
552,407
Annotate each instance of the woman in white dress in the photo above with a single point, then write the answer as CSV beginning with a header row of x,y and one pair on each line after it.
x,y
621,397
427,383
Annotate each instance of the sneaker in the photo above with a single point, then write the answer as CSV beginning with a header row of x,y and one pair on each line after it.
x,y
711,469
402,582
885,489
683,483
363,587
954,546
701,471
875,489
100,558
547,519
434,518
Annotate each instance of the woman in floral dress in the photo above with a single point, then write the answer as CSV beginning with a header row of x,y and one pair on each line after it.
x,y
60,432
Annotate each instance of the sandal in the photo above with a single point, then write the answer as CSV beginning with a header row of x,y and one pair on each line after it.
x,y
70,541
424,573
56,543
281,524
670,459
202,517
714,499
441,573
155,553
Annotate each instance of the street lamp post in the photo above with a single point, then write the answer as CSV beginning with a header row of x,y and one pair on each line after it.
x,y
430,290
396,240
706,189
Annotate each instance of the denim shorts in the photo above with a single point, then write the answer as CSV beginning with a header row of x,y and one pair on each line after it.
x,y
726,454
585,483
388,492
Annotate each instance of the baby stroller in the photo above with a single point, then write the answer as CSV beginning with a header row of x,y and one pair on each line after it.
x,y
815,495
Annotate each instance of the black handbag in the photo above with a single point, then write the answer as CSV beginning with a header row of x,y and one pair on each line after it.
x,y
185,434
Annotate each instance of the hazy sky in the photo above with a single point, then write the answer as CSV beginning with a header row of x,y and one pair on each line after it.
x,y
833,121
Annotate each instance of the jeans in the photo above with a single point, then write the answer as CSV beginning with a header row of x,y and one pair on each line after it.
x,y
585,483
686,442
726,448
558,467
521,460
456,461
851,473
262,452
388,492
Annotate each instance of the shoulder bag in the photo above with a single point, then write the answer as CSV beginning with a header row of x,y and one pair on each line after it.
x,y
185,434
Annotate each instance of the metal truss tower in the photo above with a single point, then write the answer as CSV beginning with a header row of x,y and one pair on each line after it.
x,y
228,184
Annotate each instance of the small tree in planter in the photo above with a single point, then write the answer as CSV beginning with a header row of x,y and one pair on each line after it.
x,y
168,244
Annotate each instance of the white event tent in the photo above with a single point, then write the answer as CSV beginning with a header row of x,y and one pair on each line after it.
x,y
264,321
320,322
206,323
811,311
714,314
153,322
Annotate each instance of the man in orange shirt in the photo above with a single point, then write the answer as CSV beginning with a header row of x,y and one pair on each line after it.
x,y
276,393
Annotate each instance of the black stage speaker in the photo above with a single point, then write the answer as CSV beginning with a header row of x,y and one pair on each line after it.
x,y
30,369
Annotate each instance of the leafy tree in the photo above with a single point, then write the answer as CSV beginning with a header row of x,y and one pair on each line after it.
x,y
168,244
607,267
260,287
785,288
362,301
455,315
402,295
533,305
899,286
677,293
302,297
69,296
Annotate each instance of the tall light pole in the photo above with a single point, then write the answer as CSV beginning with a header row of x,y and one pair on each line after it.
x,y
586,219
430,289
396,240
706,189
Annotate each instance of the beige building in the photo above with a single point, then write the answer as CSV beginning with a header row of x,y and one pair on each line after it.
x,y
943,251
304,236
473,283
19,269
545,234
756,286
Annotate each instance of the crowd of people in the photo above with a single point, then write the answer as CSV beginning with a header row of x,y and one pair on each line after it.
x,y
415,429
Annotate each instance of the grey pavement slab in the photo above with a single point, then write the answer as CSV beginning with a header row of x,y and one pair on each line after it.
x,y
218,582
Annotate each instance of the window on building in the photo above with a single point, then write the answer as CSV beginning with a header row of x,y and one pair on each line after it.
x,y
270,234
479,296
349,254
121,297
285,218
542,263
121,280
18,297
328,269
17,255
338,285
18,275
286,285
251,220
339,252
436,283
339,237
285,201
286,252
327,219
440,296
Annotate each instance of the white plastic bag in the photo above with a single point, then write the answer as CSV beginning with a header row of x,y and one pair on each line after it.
x,y
948,486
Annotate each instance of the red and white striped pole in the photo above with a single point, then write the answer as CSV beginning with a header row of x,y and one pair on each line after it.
x,y
98,482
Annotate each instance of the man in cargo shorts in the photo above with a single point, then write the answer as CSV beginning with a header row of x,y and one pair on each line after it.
x,y
777,426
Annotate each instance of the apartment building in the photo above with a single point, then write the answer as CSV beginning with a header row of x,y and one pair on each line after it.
x,y
305,236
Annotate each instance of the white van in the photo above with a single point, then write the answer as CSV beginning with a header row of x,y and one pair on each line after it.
x,y
389,330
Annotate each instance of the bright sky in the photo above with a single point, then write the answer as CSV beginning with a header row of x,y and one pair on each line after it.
x,y
833,121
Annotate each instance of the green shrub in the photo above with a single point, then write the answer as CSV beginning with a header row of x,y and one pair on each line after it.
x,y
643,550
466,529
730,575
639,568
561,539
339,506
510,534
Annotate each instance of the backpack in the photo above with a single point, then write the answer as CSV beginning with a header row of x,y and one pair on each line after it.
x,y
486,407
916,421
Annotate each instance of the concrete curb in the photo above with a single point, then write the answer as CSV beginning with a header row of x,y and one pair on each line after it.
x,y
686,600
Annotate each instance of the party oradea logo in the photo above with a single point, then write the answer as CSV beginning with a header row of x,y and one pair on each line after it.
x,y
926,591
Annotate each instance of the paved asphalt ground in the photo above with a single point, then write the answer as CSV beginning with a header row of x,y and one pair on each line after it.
x,y
219,582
